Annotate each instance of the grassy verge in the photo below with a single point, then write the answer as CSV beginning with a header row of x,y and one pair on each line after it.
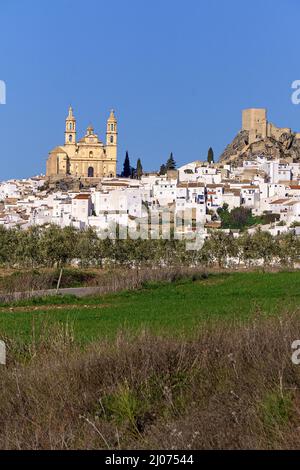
x,y
169,309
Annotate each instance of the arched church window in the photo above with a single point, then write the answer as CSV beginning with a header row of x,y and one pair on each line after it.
x,y
111,127
70,138
91,154
70,126
111,139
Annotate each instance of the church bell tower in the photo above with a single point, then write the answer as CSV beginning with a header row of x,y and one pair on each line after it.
x,y
70,132
112,137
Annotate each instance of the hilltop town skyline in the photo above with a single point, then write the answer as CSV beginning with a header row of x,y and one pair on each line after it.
x,y
149,230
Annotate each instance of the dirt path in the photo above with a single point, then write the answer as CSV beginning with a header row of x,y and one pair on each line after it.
x,y
35,308
76,291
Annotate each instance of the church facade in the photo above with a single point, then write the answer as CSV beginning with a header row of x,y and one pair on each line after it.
x,y
89,157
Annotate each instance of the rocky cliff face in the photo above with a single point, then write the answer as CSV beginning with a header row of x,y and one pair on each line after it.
x,y
69,183
286,147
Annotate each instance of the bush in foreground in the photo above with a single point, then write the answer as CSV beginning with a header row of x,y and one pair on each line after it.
x,y
229,387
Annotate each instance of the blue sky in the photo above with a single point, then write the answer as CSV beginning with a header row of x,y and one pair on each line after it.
x,y
177,73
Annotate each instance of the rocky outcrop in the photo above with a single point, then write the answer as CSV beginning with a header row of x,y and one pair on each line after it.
x,y
287,147
239,144
69,183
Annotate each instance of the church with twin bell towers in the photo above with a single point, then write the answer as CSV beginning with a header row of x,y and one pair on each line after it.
x,y
88,157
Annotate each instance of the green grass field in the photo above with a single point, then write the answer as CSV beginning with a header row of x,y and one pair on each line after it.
x,y
169,308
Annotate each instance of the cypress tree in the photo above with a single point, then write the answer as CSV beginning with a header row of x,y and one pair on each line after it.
x,y
210,155
139,169
126,167
171,165
163,169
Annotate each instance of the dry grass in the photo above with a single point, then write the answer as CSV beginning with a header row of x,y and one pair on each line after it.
x,y
130,279
229,387
106,281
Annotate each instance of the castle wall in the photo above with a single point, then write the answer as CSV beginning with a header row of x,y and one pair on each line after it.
x,y
254,120
276,132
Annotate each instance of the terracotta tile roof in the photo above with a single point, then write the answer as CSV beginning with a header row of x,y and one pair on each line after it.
x,y
190,185
250,187
10,200
212,225
235,191
82,196
291,203
279,201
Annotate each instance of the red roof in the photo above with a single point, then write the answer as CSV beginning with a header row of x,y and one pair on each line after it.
x,y
82,196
